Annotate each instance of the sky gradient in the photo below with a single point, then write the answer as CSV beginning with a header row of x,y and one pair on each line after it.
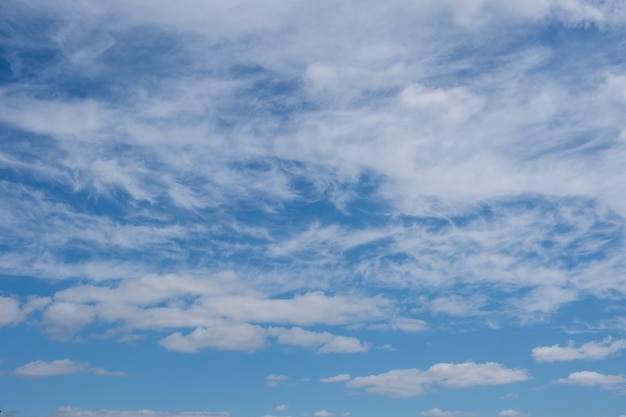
x,y
312,208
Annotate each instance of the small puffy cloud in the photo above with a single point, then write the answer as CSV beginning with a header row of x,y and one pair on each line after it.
x,y
509,396
590,378
336,378
77,412
589,351
412,382
511,413
60,367
274,379
236,336
323,413
281,407
324,342
437,412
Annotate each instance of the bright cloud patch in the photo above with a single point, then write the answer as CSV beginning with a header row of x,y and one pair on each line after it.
x,y
589,351
590,378
412,382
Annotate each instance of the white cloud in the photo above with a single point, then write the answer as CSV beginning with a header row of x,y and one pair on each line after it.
x,y
590,378
323,413
225,336
336,378
281,407
77,412
38,369
10,312
412,382
511,413
590,351
274,380
324,342
437,412
217,297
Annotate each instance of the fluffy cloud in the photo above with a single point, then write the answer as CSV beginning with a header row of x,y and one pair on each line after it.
x,y
324,342
281,407
10,312
226,336
589,351
38,369
77,412
201,301
590,378
220,309
412,382
323,413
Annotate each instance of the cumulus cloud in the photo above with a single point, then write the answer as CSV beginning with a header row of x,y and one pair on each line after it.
x,y
324,342
590,351
323,413
590,378
39,368
412,382
205,303
10,312
225,336
281,407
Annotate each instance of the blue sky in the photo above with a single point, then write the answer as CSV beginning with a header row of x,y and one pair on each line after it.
x,y
312,209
